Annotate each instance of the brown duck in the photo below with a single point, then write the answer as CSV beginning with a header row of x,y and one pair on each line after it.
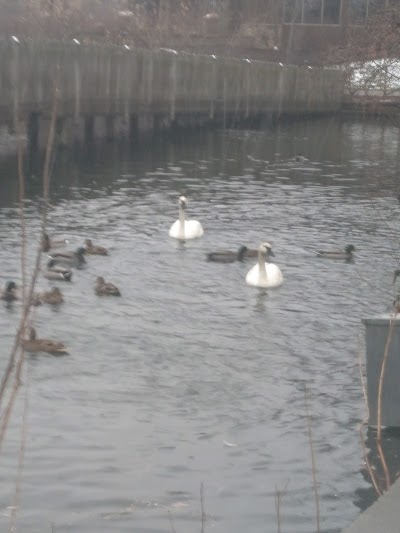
x,y
94,250
42,345
52,297
48,243
102,288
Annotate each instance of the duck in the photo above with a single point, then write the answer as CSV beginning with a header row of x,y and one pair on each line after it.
x,y
94,250
250,252
226,256
52,297
185,229
42,345
300,158
346,254
57,272
48,243
9,293
102,288
70,258
263,274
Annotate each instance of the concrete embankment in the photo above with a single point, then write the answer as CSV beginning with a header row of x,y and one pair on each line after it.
x,y
133,90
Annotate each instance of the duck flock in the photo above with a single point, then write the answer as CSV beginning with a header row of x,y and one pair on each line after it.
x,y
59,266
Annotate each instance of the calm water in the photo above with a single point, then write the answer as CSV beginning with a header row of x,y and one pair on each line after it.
x,y
192,376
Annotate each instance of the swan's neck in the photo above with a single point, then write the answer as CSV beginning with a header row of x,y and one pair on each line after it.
x,y
181,223
261,267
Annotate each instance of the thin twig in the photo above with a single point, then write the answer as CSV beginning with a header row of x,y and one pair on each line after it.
x,y
279,495
366,459
381,379
365,421
171,522
21,183
364,388
379,414
26,308
203,513
313,464
21,458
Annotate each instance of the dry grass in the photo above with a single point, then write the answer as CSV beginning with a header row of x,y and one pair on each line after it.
x,y
104,23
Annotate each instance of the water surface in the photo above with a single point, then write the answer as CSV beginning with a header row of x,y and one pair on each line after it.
x,y
191,376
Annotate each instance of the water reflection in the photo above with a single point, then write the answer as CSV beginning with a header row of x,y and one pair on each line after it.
x,y
261,298
384,463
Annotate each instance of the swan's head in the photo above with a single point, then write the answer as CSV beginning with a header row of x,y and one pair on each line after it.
x,y
182,202
56,291
100,280
396,275
349,249
266,249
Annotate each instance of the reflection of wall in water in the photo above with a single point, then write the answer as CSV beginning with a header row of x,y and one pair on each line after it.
x,y
391,451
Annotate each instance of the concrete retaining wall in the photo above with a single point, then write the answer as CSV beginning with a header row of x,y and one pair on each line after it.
x,y
112,80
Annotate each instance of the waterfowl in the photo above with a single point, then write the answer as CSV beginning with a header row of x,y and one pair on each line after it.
x,y
250,252
52,297
300,158
55,271
42,345
70,258
9,292
94,250
48,243
102,288
185,229
226,256
347,254
263,274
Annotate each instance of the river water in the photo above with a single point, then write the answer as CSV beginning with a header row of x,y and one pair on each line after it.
x,y
191,376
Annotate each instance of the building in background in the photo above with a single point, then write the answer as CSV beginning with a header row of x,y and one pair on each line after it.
x,y
303,30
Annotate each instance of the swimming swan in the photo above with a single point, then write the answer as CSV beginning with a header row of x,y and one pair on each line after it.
x,y
185,229
264,274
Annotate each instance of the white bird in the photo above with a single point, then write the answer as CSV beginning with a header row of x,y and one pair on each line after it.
x,y
281,64
76,41
214,56
127,47
263,274
15,39
185,229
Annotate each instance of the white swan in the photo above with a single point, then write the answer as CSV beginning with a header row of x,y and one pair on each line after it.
x,y
264,274
185,229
